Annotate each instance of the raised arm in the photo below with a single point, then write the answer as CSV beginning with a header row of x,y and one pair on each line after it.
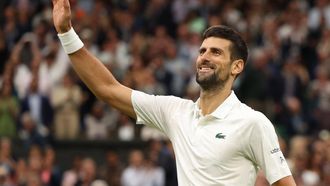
x,y
91,71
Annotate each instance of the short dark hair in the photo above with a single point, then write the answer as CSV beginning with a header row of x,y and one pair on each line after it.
x,y
238,47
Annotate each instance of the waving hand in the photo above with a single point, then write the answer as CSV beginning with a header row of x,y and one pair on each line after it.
x,y
61,15
93,73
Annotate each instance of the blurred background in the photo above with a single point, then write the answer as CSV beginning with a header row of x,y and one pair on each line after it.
x,y
55,132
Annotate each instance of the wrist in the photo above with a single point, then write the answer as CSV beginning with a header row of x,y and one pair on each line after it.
x,y
63,30
70,41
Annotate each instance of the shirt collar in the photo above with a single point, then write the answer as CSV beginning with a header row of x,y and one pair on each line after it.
x,y
223,109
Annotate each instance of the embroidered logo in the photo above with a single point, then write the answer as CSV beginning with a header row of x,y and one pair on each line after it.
x,y
220,136
275,150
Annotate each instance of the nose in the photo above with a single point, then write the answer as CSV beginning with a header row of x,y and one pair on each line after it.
x,y
205,56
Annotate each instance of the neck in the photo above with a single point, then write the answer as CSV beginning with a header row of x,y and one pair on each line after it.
x,y
211,99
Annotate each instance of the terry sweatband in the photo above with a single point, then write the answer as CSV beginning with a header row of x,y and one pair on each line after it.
x,y
70,41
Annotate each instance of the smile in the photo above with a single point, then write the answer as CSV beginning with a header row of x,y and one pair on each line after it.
x,y
206,68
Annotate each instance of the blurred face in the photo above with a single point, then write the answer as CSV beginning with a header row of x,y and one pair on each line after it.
x,y
213,63
112,158
67,81
88,170
5,147
98,111
49,158
136,158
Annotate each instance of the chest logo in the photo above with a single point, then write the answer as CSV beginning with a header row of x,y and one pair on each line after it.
x,y
220,136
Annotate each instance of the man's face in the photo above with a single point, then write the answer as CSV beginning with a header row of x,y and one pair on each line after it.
x,y
213,63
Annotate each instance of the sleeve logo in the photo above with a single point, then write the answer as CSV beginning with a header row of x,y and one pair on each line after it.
x,y
275,150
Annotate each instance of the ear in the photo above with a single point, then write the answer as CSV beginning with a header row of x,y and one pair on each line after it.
x,y
237,67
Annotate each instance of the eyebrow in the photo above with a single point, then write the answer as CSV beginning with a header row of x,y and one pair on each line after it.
x,y
212,49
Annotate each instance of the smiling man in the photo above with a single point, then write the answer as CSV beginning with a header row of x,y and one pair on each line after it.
x,y
217,140
214,74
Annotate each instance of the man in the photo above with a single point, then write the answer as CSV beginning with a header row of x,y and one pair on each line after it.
x,y
217,140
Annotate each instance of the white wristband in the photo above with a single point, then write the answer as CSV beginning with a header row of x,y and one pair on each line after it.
x,y
70,41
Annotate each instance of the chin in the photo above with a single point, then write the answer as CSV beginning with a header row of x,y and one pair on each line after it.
x,y
204,77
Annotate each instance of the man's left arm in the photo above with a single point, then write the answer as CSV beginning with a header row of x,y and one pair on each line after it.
x,y
264,151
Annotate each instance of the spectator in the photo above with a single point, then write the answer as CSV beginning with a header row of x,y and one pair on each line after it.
x,y
166,160
323,47
7,160
52,69
21,172
319,15
50,173
126,128
4,53
162,154
256,94
70,177
320,96
5,177
88,173
9,109
66,99
154,174
163,76
293,116
135,169
111,171
33,179
98,122
30,134
38,106
34,162
27,56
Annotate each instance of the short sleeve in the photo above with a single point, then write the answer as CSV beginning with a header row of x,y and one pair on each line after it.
x,y
264,150
155,111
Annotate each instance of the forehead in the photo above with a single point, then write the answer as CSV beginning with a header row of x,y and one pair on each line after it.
x,y
215,42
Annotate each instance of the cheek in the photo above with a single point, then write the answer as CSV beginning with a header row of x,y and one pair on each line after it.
x,y
224,70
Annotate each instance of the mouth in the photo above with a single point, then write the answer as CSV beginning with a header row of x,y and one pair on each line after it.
x,y
206,68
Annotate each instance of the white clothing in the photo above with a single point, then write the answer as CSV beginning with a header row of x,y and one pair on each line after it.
x,y
224,148
126,132
315,17
154,177
51,76
48,76
96,128
132,176
142,176
35,107
22,80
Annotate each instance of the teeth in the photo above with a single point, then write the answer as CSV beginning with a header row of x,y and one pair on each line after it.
x,y
204,69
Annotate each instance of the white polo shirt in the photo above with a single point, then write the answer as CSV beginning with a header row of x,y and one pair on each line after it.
x,y
225,148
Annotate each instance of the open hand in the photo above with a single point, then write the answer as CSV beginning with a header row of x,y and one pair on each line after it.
x,y
61,15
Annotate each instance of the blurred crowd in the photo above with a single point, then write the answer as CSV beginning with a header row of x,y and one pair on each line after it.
x,y
151,45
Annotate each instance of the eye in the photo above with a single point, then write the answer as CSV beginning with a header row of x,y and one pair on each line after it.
x,y
202,51
216,52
